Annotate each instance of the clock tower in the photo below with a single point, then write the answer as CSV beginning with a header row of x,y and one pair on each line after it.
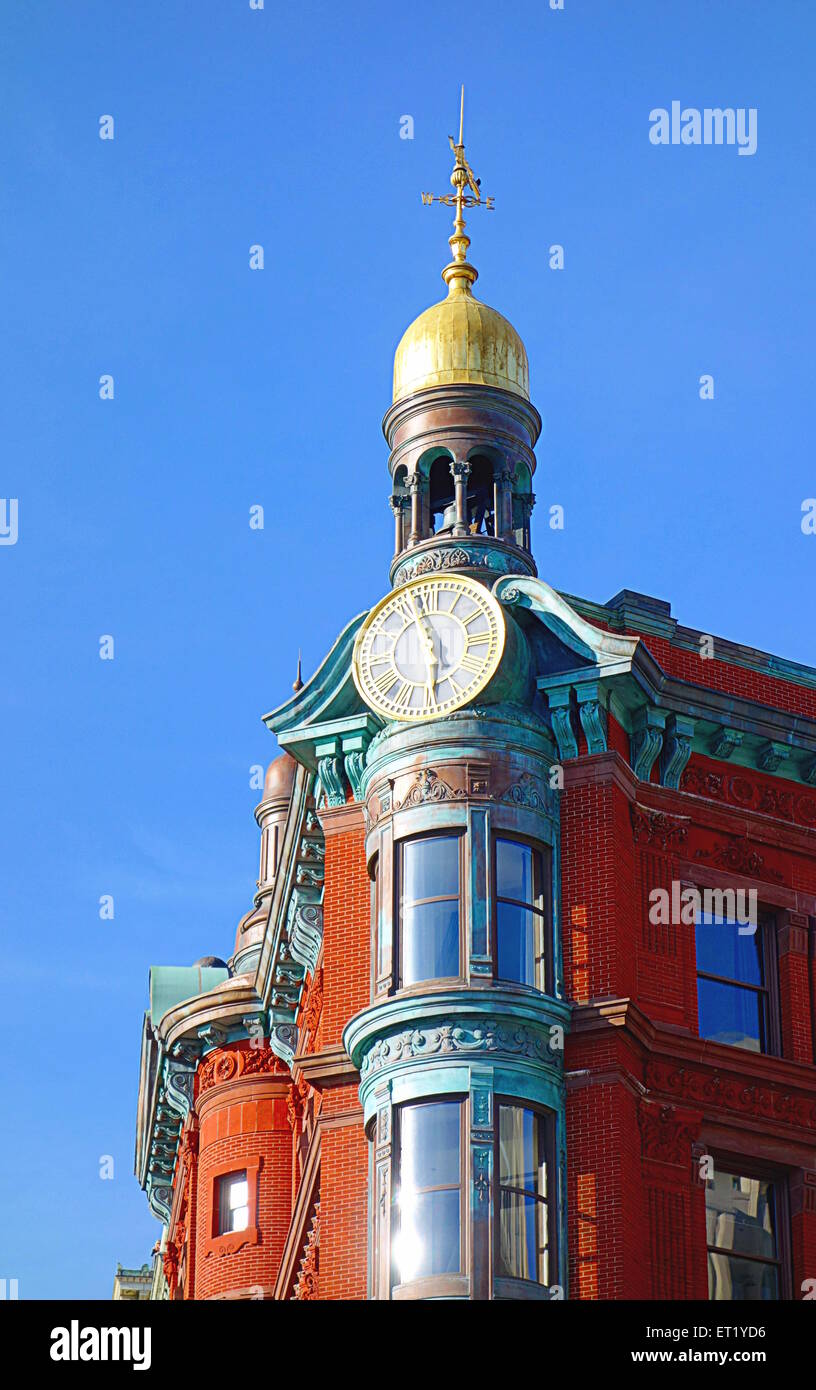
x,y
461,427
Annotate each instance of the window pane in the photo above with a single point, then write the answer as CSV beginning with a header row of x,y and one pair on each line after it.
x,y
427,1222
740,1214
430,942
428,1240
522,1155
722,951
523,1250
517,932
430,868
239,1219
741,1281
514,871
429,1145
729,1014
238,1193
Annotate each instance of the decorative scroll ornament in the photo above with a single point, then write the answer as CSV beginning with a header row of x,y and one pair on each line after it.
x,y
221,1067
665,1136
306,1283
655,828
527,791
428,786
314,1005
738,857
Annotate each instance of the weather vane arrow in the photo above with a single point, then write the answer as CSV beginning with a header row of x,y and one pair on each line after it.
x,y
462,178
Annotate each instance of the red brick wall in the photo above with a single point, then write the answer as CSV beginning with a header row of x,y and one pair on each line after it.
x,y
343,1196
346,924
347,990
598,903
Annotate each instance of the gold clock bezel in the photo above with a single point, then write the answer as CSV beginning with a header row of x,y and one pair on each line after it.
x,y
476,590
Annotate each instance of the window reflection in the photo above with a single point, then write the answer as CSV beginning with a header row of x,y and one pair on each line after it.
x,y
742,1236
426,1220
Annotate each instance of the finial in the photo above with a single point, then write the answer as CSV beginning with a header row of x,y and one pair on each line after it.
x,y
297,684
459,275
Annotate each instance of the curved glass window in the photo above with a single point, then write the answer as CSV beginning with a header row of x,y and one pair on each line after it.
x,y
426,1214
429,908
520,916
523,1165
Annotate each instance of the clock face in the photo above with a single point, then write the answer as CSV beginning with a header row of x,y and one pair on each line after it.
x,y
429,648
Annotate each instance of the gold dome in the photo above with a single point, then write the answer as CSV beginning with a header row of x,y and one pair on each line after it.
x,y
460,340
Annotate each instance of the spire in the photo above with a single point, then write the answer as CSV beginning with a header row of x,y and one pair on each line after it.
x,y
459,274
297,684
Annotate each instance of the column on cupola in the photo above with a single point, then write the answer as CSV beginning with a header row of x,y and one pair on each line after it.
x,y
460,1048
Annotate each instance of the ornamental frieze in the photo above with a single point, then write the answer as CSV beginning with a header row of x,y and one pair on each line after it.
x,y
730,1093
447,1038
460,557
428,786
785,803
221,1067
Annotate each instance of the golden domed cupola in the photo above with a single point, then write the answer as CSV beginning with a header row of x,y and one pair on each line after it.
x,y
460,340
461,427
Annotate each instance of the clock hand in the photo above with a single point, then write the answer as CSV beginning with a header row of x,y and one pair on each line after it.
x,y
427,642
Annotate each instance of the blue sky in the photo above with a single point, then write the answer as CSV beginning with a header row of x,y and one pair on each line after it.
x,y
235,388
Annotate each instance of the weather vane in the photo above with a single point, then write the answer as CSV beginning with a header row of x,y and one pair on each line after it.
x,y
462,178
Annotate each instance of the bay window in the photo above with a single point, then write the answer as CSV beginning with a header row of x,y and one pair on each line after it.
x,y
433,1202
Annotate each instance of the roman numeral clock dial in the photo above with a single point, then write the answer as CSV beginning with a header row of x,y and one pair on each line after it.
x,y
428,648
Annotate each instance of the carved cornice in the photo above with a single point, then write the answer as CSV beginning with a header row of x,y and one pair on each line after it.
x,y
329,1067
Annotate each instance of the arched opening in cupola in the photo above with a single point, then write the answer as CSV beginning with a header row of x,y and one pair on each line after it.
x,y
480,500
441,494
